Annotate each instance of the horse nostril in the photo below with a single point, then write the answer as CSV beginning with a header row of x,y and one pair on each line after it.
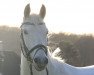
x,y
25,32
36,60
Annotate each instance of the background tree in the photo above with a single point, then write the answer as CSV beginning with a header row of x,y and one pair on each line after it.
x,y
69,53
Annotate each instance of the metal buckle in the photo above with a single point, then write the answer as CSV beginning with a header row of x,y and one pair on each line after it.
x,y
29,59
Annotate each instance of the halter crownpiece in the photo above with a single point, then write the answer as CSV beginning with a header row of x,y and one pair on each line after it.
x,y
26,23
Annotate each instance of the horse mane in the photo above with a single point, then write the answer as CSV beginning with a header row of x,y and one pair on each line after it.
x,y
54,55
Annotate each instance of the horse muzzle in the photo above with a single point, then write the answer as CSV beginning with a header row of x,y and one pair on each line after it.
x,y
40,64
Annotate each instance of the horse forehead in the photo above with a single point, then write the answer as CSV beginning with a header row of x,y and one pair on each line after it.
x,y
35,19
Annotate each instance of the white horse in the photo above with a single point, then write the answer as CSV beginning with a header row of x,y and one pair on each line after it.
x,y
35,57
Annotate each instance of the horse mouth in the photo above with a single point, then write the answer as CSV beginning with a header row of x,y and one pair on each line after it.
x,y
40,67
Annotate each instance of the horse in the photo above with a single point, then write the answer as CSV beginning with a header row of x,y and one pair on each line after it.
x,y
36,59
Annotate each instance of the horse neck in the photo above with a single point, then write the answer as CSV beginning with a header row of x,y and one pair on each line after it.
x,y
25,70
55,66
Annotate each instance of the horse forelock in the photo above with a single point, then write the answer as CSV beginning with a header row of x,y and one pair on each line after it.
x,y
33,18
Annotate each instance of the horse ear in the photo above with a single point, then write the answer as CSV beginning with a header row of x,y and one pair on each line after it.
x,y
42,11
27,11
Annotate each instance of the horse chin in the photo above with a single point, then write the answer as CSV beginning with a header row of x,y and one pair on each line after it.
x,y
39,68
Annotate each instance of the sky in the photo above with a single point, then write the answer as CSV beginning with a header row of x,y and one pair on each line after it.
x,y
74,16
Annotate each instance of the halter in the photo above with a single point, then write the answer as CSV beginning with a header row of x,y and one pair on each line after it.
x,y
26,52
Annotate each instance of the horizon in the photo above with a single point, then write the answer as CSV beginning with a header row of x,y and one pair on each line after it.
x,y
66,33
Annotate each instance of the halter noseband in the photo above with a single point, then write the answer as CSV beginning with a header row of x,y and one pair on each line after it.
x,y
26,52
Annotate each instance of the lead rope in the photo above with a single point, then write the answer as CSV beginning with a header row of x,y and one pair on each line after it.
x,y
47,71
31,69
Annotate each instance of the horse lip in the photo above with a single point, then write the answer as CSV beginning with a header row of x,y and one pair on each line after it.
x,y
40,68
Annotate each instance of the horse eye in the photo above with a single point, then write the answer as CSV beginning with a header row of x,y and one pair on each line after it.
x,y
47,32
41,23
32,24
25,32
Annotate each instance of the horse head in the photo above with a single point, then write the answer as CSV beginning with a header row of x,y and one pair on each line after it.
x,y
34,37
